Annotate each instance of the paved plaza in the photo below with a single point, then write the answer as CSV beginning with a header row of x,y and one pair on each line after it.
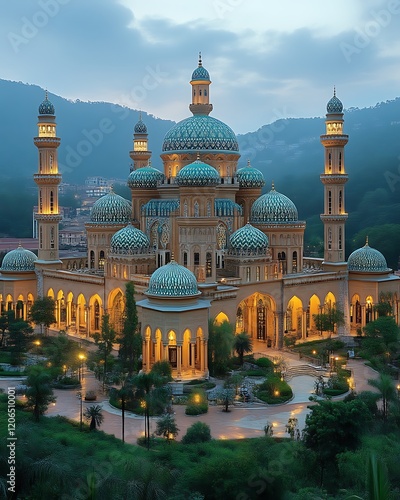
x,y
243,421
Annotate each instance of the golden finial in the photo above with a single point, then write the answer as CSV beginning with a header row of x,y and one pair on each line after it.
x,y
198,156
172,256
140,115
272,186
149,163
46,95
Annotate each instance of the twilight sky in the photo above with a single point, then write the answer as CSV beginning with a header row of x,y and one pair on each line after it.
x,y
267,59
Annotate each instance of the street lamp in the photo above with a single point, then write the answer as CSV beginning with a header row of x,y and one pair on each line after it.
x,y
37,343
81,358
398,391
80,397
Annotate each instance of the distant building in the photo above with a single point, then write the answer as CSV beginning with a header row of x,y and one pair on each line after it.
x,y
199,241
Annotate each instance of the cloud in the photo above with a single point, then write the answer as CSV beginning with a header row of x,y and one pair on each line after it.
x,y
102,50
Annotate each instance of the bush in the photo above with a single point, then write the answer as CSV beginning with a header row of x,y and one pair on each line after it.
x,y
90,396
274,390
196,409
264,363
197,433
66,382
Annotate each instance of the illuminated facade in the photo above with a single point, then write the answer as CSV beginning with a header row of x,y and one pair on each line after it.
x,y
199,240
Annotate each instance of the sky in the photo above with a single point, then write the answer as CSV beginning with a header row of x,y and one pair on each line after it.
x,y
267,59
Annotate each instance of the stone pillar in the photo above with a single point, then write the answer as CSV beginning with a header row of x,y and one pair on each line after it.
x,y
144,359
147,355
201,352
179,360
363,315
192,360
205,353
165,352
304,324
68,315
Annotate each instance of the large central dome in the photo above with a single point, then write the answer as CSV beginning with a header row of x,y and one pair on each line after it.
x,y
200,133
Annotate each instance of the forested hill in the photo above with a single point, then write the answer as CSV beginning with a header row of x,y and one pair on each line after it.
x,y
97,136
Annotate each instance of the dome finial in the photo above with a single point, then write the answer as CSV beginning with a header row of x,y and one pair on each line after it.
x,y
273,186
366,241
172,257
334,91
46,95
140,115
248,163
198,156
200,62
149,163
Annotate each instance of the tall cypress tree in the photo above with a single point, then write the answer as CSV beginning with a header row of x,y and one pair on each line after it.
x,y
131,339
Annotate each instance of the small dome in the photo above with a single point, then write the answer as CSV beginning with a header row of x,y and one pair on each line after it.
x,y
200,133
111,209
129,240
334,105
249,239
198,174
46,108
367,259
145,177
200,73
19,259
140,127
173,280
250,177
273,207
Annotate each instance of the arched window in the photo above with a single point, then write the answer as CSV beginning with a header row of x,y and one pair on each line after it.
x,y
200,92
258,273
51,201
208,265
340,162
340,238
330,161
101,259
40,201
205,92
247,273
239,320
294,262
329,202
261,332
52,237
340,201
329,239
185,259
196,258
91,259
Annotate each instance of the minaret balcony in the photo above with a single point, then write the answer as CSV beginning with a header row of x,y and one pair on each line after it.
x,y
330,140
334,178
48,217
47,142
49,179
334,217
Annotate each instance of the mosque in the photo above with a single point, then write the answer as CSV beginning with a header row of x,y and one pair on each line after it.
x,y
200,242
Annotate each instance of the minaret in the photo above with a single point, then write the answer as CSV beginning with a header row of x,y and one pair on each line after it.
x,y
334,178
200,83
140,154
47,180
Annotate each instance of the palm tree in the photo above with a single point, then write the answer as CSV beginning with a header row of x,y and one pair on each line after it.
x,y
95,415
124,393
387,391
243,344
166,427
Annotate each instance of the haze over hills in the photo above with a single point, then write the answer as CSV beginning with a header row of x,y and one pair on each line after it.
x,y
96,138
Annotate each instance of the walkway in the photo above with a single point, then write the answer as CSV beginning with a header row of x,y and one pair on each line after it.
x,y
242,421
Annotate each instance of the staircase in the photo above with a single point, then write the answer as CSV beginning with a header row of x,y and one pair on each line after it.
x,y
295,371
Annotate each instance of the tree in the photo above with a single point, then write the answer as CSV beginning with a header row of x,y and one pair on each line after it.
x,y
292,427
63,353
381,335
334,427
242,344
198,432
5,319
95,415
328,320
220,345
130,340
166,427
387,391
384,307
18,339
226,394
39,393
125,392
151,388
42,312
105,340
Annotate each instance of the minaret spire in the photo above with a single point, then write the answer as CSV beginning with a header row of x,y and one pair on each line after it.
x,y
200,83
334,179
47,179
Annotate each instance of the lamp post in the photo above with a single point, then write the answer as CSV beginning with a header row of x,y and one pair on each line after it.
x,y
81,358
80,397
398,391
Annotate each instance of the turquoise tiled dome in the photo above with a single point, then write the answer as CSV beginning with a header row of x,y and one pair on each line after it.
x,y
111,209
46,108
129,240
200,73
140,128
145,177
248,239
198,174
200,133
173,280
273,207
334,105
367,259
250,177
19,259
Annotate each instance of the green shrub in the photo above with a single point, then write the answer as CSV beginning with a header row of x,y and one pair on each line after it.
x,y
196,409
197,433
273,390
264,363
